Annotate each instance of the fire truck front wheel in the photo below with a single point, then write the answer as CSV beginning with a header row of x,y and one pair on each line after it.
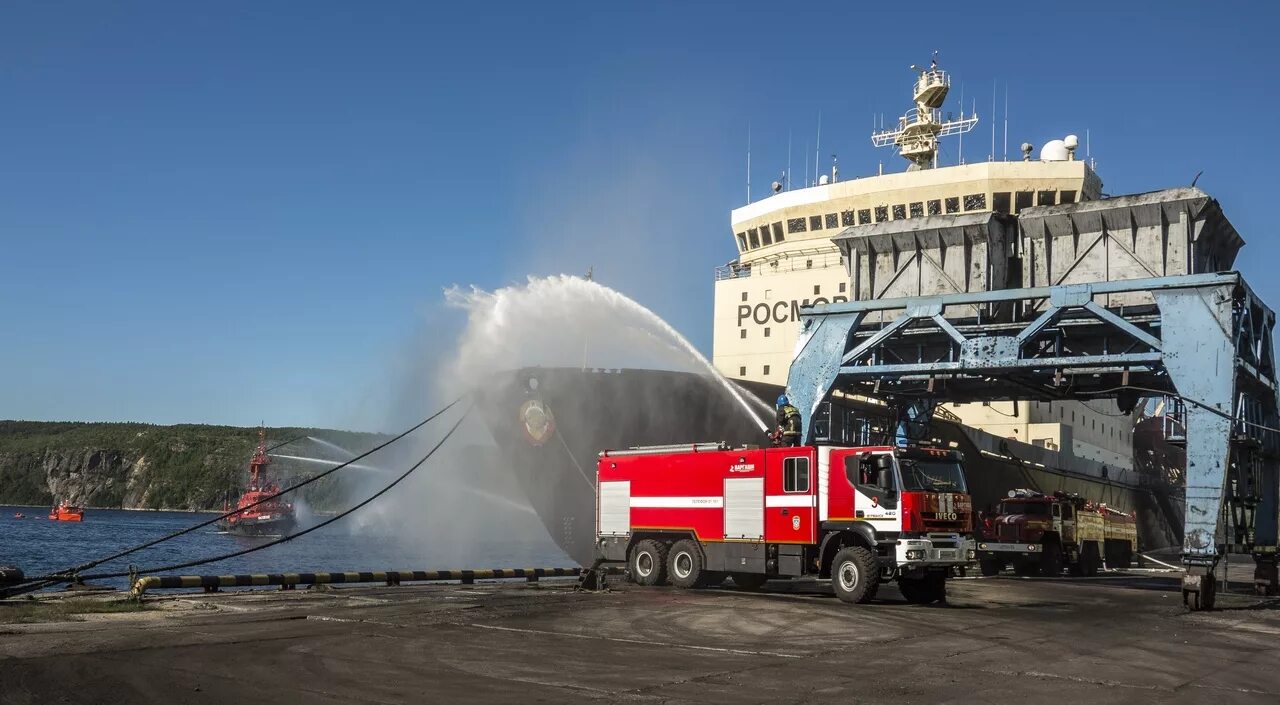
x,y
685,565
648,563
855,575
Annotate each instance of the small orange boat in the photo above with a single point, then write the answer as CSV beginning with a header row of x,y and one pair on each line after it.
x,y
66,512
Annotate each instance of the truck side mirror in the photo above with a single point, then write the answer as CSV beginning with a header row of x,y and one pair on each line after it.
x,y
884,478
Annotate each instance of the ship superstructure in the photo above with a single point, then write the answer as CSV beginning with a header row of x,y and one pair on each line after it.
x,y
787,258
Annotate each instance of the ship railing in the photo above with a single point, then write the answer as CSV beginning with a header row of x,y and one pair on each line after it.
x,y
793,262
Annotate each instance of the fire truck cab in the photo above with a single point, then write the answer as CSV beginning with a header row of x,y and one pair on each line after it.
x,y
697,514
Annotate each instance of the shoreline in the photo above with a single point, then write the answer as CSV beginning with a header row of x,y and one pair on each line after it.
x,y
115,509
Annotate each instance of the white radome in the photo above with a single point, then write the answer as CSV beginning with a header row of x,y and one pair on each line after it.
x,y
1054,151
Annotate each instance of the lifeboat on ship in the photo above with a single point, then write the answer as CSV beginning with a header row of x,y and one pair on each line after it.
x,y
66,512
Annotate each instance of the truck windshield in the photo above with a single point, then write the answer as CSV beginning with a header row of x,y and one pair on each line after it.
x,y
1039,509
932,476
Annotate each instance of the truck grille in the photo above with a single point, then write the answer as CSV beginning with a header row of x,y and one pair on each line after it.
x,y
1008,532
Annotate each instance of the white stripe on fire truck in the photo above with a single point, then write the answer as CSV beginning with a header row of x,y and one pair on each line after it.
x,y
790,500
824,475
677,502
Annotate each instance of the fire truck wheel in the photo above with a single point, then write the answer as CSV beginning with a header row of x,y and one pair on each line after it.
x,y
1051,562
855,575
684,564
925,590
1089,559
991,566
1126,557
648,564
749,582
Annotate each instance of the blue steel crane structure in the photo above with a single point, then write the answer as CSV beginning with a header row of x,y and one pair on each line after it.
x,y
1203,338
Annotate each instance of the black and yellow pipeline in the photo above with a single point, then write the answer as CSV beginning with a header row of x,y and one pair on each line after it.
x,y
212,583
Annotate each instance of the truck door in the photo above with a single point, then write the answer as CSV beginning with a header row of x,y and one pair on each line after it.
x,y
790,484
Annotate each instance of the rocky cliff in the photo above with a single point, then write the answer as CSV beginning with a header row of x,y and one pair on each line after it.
x,y
141,466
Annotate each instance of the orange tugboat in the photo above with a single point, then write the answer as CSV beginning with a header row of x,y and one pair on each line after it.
x,y
274,516
66,512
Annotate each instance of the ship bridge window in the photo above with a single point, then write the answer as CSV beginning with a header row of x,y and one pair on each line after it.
x,y
817,289
1066,197
755,241
795,474
975,202
842,287
935,207
1021,199
953,204
899,212
766,370
917,210
864,216
742,242
1000,202
766,332
846,218
744,296
1044,198
815,222
764,236
832,221
742,333
795,225
777,231
882,213
742,372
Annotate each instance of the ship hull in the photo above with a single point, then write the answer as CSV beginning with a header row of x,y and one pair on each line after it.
x,y
551,423
276,526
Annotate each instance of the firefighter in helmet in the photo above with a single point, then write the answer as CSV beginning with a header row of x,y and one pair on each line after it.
x,y
788,431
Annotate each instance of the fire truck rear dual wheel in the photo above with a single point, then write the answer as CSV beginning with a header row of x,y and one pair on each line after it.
x,y
1051,561
648,563
855,575
1089,559
685,565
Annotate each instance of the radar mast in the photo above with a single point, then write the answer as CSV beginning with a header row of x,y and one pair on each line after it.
x,y
917,133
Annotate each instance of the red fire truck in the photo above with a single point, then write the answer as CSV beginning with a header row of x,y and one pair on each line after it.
x,y
695,515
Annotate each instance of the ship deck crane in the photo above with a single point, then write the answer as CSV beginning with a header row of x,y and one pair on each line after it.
x,y
1204,338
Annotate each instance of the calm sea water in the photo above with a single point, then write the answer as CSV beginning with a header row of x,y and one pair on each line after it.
x,y
37,545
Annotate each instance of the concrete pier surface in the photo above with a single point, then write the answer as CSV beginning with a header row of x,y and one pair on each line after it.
x,y
1112,639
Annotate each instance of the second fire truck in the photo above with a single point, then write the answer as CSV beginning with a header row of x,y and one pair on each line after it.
x,y
1042,533
696,515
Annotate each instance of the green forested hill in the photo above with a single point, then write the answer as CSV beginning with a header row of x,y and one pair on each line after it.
x,y
143,466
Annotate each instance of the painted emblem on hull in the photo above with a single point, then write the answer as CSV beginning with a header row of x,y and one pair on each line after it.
x,y
538,421
795,523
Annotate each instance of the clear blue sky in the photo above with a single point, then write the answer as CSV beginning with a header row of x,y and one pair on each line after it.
x,y
248,210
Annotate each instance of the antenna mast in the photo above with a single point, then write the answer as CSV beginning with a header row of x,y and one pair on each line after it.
x,y
817,148
917,133
748,162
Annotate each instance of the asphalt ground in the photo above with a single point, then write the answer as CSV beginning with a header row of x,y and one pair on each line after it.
x,y
1118,638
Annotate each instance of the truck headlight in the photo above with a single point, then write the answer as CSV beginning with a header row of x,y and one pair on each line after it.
x,y
983,546
970,554
915,554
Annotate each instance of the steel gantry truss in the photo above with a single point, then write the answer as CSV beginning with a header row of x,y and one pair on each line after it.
x,y
1204,338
